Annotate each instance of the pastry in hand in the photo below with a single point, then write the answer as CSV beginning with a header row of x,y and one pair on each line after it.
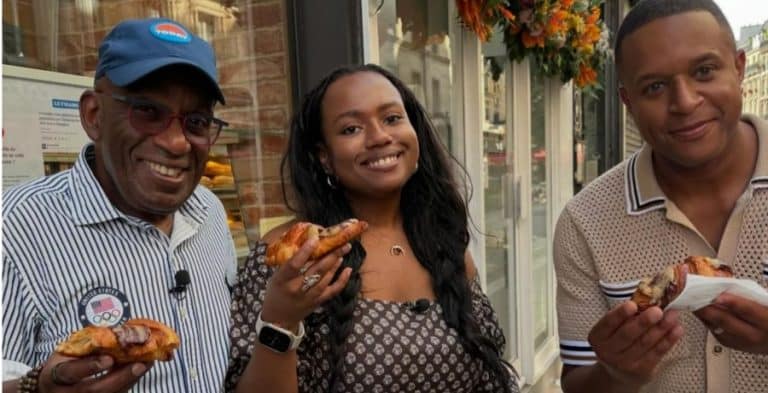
x,y
330,238
666,285
137,340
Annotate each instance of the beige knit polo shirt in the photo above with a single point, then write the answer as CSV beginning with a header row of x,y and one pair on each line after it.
x,y
620,229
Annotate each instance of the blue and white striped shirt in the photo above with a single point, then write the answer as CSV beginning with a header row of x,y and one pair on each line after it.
x,y
69,257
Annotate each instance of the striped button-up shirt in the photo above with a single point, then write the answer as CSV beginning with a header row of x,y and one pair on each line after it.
x,y
70,258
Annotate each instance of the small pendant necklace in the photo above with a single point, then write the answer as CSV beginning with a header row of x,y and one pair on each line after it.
x,y
396,250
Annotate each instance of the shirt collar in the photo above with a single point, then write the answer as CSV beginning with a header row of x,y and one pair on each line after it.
x,y
642,190
643,193
92,206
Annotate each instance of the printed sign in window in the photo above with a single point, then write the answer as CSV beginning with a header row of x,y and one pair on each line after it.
x,y
38,117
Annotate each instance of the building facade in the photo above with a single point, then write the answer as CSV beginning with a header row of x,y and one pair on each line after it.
x,y
755,85
511,128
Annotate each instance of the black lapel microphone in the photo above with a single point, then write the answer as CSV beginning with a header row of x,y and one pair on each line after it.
x,y
182,280
419,306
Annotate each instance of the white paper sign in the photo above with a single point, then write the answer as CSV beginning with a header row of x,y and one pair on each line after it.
x,y
22,149
38,117
701,291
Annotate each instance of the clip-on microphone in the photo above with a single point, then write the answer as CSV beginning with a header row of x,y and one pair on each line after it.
x,y
419,306
182,279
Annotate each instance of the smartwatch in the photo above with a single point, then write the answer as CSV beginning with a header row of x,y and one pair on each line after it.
x,y
276,338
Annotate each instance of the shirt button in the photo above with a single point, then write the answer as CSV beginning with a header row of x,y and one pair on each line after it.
x,y
193,373
183,312
718,349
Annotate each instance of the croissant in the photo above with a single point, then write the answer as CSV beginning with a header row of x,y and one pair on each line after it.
x,y
137,340
663,288
280,251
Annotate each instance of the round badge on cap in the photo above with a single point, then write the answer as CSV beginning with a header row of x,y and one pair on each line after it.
x,y
170,32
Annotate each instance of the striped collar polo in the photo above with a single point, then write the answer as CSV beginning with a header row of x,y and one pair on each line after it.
x,y
622,228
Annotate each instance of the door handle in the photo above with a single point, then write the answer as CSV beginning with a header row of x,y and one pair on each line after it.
x,y
507,193
512,197
516,200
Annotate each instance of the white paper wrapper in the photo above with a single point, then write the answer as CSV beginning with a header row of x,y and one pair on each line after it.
x,y
701,291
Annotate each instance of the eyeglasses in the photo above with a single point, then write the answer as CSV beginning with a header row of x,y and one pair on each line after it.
x,y
151,118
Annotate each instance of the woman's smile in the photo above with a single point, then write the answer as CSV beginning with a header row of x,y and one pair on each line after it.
x,y
383,163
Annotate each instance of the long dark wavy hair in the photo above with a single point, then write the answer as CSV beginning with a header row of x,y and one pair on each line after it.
x,y
434,214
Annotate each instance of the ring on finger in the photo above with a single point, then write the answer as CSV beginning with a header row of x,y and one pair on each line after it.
x,y
306,267
309,281
56,379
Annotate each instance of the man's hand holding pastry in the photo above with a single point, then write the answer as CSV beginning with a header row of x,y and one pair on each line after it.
x,y
629,345
89,374
738,323
107,359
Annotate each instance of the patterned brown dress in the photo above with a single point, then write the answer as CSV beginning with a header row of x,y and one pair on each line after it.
x,y
391,348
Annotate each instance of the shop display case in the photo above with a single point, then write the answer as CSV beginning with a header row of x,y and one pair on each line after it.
x,y
218,177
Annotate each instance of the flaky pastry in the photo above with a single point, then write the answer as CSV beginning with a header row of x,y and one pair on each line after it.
x,y
330,238
663,288
137,340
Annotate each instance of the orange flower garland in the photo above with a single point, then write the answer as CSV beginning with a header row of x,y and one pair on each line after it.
x,y
480,18
566,38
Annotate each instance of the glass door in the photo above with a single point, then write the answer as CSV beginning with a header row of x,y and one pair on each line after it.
x,y
540,144
498,191
540,211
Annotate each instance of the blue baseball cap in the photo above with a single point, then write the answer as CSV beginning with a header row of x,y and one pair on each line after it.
x,y
136,48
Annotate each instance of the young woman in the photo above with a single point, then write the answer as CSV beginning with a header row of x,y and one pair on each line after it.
x,y
400,310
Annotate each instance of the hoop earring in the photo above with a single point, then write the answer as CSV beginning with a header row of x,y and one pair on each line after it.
x,y
330,183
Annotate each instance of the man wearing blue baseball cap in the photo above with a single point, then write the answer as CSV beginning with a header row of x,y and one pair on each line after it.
x,y
127,232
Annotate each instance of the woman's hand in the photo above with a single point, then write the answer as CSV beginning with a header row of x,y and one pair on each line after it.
x,y
300,285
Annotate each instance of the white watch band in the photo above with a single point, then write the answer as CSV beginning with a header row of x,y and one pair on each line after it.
x,y
295,338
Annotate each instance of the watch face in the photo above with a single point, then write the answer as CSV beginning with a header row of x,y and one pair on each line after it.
x,y
274,339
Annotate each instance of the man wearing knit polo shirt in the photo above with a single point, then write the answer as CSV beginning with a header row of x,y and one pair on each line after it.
x,y
699,186
127,232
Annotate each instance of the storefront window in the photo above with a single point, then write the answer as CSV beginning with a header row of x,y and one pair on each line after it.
x,y
250,41
411,38
589,137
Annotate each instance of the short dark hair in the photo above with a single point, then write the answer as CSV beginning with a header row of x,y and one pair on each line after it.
x,y
647,11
